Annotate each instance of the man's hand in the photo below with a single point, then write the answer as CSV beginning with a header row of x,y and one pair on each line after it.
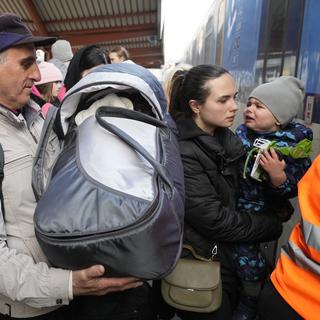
x,y
90,282
271,164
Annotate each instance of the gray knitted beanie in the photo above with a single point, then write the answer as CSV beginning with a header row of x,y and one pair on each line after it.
x,y
283,97
61,50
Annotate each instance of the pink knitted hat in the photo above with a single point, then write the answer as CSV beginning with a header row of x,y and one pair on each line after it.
x,y
49,73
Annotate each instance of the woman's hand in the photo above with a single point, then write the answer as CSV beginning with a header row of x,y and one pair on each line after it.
x,y
271,164
90,282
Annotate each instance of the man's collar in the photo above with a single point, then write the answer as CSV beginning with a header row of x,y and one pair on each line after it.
x,y
16,112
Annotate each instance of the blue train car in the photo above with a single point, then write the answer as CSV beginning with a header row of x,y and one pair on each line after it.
x,y
259,40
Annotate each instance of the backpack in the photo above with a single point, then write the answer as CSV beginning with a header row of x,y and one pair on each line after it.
x,y
116,193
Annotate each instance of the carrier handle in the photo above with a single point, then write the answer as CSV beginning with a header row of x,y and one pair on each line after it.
x,y
159,168
38,184
129,114
1,177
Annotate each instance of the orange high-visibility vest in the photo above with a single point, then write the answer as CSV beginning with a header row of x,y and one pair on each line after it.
x,y
297,274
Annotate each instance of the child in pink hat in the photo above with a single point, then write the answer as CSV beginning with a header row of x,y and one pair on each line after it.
x,y
46,91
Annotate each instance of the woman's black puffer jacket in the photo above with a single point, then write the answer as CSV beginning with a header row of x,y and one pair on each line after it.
x,y
211,185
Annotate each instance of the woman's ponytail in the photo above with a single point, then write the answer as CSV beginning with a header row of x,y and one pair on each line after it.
x,y
178,105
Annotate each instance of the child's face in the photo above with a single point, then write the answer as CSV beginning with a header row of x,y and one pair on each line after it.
x,y
258,117
56,86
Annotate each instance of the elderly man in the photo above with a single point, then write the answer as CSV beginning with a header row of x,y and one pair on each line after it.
x,y
29,287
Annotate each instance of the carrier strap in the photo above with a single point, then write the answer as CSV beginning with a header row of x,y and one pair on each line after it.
x,y
38,163
129,114
133,115
3,234
1,178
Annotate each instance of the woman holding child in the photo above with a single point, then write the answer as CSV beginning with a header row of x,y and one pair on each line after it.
x,y
203,104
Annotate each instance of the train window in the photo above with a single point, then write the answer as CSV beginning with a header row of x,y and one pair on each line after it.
x,y
292,40
277,18
200,44
208,41
220,29
194,52
281,25
263,42
207,49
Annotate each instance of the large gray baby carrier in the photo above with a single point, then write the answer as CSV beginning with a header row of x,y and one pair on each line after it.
x,y
116,194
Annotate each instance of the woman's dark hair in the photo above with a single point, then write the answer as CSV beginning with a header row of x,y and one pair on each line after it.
x,y
191,85
85,58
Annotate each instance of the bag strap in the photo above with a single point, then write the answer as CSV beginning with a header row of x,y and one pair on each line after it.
x,y
193,252
38,163
3,234
1,178
130,114
158,167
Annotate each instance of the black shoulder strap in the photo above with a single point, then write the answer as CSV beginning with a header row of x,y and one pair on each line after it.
x,y
1,178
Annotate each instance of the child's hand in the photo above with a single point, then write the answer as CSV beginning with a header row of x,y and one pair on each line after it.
x,y
271,164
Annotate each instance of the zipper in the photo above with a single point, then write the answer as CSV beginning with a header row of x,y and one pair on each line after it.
x,y
23,123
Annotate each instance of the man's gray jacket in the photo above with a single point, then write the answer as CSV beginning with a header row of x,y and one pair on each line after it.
x,y
27,283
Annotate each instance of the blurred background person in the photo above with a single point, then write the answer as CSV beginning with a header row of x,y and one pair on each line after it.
x,y
83,61
119,54
40,55
61,55
45,92
171,74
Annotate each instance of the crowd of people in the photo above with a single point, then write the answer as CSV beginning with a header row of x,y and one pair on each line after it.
x,y
65,69
236,193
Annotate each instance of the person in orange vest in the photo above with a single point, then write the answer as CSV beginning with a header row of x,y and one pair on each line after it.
x,y
293,292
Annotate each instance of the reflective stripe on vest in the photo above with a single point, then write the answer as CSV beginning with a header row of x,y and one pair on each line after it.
x,y
297,274
311,236
298,287
301,256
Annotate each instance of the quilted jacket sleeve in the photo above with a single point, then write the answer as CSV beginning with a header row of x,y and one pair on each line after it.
x,y
214,221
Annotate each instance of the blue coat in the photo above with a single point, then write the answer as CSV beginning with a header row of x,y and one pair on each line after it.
x,y
257,197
